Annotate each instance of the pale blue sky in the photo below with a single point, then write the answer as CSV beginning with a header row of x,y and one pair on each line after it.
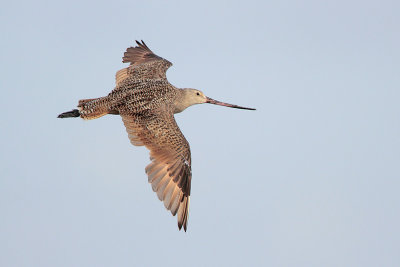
x,y
309,179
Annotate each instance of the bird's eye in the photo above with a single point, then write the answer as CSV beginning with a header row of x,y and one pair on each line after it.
x,y
197,93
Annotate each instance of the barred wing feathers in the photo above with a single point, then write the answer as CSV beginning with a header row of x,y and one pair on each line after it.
x,y
143,64
170,169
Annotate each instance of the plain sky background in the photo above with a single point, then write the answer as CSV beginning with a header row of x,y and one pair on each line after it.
x,y
309,179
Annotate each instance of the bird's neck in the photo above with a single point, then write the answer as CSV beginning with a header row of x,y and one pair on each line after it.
x,y
181,101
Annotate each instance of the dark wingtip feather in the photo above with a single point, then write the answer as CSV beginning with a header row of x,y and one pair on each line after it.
x,y
145,45
184,226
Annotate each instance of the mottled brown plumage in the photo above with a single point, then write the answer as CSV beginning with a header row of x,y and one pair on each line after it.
x,y
146,101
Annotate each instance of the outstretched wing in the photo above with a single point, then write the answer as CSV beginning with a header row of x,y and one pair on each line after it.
x,y
143,64
170,169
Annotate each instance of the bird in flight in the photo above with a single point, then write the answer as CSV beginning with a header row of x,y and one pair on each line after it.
x,y
147,102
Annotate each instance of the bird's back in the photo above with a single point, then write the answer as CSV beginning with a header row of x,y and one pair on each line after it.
x,y
135,96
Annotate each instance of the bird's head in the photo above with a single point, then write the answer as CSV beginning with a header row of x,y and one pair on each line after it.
x,y
194,96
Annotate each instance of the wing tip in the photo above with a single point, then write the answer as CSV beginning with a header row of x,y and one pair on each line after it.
x,y
184,214
184,226
133,52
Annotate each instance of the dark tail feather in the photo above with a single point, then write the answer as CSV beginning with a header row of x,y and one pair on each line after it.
x,y
70,114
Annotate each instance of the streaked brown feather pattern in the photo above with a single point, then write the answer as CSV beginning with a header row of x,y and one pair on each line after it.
x,y
145,100
170,170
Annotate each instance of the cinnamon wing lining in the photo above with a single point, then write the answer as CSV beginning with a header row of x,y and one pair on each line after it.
x,y
121,76
170,169
143,64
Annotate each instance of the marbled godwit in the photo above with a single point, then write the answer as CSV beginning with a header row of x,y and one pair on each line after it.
x,y
147,102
